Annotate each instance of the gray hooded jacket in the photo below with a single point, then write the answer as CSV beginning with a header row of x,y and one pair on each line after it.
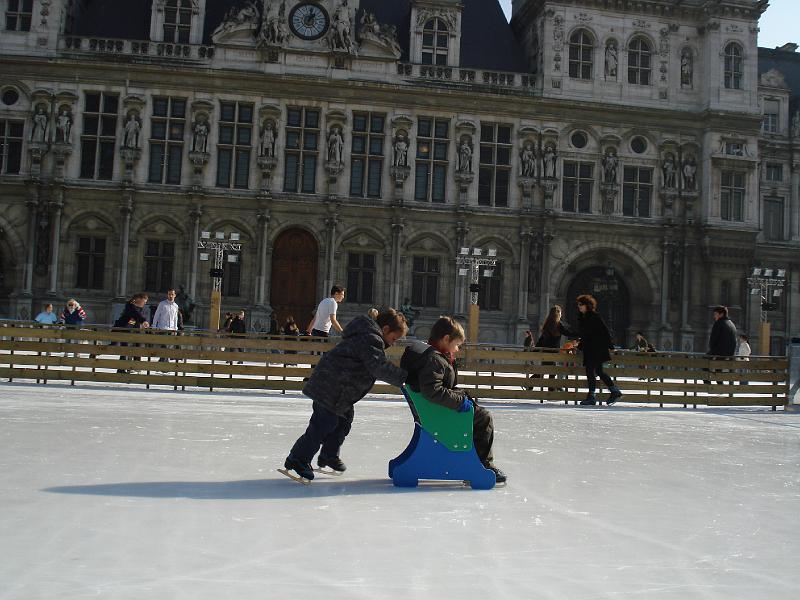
x,y
346,373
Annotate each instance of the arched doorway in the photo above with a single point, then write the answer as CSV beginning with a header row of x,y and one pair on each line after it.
x,y
294,276
613,299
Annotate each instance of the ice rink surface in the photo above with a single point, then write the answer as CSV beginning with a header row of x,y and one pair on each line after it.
x,y
123,494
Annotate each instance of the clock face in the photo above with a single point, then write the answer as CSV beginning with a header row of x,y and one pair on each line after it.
x,y
308,21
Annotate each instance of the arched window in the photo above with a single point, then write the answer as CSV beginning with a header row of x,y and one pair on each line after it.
x,y
639,61
733,66
581,51
177,21
435,40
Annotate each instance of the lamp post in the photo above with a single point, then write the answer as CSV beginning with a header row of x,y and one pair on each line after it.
x,y
768,285
218,246
470,261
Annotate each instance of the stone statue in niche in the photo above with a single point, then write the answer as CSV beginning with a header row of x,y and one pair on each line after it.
x,y
465,155
401,149
200,131
40,122
335,145
273,23
549,161
64,126
527,160
610,163
267,146
689,172
612,59
133,127
668,169
341,37
687,68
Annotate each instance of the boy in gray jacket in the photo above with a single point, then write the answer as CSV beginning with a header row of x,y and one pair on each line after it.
x,y
344,376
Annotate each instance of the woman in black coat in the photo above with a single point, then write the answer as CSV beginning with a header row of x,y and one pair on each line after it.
x,y
132,317
595,345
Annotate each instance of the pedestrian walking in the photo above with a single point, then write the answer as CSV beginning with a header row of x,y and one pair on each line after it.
x,y
722,340
47,316
325,317
595,345
344,375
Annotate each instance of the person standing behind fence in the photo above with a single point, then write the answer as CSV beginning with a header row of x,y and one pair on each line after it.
x,y
132,317
722,341
595,344
47,316
167,316
743,350
552,331
325,317
73,314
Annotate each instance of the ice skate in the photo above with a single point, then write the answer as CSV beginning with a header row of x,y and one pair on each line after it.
x,y
298,471
330,465
616,394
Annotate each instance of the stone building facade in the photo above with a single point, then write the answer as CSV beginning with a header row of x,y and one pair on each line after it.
x,y
630,152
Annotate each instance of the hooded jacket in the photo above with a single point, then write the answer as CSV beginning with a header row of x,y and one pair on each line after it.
x,y
431,374
347,372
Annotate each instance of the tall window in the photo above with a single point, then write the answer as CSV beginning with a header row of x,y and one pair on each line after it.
x,y
491,294
495,165
99,135
435,40
733,66
18,15
91,263
11,146
232,278
360,277
581,50
639,61
431,165
234,145
302,147
774,172
578,182
159,260
366,162
425,281
177,21
772,111
637,190
732,196
773,219
166,140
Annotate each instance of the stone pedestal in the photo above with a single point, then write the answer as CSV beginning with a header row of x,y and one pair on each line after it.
x,y
267,164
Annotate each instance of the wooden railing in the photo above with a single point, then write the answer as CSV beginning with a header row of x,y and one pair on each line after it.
x,y
257,361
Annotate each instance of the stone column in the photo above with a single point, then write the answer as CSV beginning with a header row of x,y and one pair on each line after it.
x,y
544,294
460,283
191,277
397,232
262,292
687,333
55,245
330,225
126,210
794,204
526,235
27,284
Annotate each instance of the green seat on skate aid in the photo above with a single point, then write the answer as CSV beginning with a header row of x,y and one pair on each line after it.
x,y
441,447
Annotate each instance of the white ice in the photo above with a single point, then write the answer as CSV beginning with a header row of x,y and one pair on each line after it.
x,y
120,493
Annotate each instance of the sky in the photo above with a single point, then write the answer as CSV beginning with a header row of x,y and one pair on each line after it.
x,y
778,25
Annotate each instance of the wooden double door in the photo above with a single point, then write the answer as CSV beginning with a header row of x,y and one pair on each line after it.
x,y
293,289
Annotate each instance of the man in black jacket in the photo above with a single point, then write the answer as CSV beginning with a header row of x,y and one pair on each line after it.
x,y
344,376
722,341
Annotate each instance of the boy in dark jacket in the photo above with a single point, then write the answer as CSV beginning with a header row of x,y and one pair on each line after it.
x,y
344,376
431,371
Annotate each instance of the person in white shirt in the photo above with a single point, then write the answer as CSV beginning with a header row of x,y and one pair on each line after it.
x,y
167,316
325,317
743,351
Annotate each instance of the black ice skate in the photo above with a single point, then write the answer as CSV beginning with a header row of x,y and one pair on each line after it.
x,y
303,473
330,465
499,475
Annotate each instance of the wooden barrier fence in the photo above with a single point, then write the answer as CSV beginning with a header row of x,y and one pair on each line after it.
x,y
277,363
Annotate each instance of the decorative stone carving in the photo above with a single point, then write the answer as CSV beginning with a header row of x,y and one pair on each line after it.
x,y
796,124
131,131
200,131
335,145
558,41
340,35
236,18
689,172
449,17
687,68
549,161
610,162
400,148
465,154
527,160
401,128
41,121
611,59
668,171
266,145
273,24
382,36
663,43
64,125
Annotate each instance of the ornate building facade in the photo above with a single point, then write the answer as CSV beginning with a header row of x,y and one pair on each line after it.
x,y
644,153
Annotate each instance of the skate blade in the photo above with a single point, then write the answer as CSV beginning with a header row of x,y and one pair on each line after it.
x,y
328,472
294,477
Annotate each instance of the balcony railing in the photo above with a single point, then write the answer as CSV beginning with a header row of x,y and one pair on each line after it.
x,y
117,47
519,81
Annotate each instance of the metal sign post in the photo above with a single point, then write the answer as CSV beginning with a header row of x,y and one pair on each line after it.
x,y
768,285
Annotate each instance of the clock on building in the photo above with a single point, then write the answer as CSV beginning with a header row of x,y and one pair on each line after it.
x,y
309,21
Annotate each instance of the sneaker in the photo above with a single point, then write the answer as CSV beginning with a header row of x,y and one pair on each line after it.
x,y
334,462
304,470
499,475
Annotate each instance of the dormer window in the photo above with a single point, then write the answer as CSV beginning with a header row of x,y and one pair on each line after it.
x,y
19,14
733,66
177,21
435,42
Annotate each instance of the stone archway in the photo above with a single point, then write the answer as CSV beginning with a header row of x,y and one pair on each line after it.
x,y
293,286
613,299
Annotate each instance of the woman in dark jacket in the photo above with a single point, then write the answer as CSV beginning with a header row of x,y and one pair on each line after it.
x,y
552,330
595,345
132,317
